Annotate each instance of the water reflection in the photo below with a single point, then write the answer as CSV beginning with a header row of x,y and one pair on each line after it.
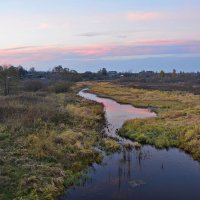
x,y
146,173
117,114
141,174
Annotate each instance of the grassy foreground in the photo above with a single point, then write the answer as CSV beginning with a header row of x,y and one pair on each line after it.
x,y
177,124
46,141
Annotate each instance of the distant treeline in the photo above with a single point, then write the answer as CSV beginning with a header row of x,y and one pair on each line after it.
x,y
16,79
13,79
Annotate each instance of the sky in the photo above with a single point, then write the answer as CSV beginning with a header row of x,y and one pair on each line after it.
x,y
86,35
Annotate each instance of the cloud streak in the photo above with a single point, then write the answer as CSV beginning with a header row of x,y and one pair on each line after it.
x,y
93,34
144,16
34,54
117,34
164,42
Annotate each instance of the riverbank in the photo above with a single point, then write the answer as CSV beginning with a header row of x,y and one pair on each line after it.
x,y
176,124
135,172
47,139
46,143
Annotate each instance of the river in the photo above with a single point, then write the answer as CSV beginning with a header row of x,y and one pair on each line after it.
x,y
137,174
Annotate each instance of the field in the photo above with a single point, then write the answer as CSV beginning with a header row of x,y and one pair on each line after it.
x,y
46,142
177,121
47,138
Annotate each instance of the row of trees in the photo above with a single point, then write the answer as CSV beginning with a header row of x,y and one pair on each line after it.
x,y
13,78
162,73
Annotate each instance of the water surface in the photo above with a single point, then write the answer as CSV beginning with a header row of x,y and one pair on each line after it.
x,y
116,114
142,174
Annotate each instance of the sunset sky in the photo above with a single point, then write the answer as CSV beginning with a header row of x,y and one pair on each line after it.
x,y
87,35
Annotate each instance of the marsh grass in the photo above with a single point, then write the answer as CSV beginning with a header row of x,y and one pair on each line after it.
x,y
110,145
177,123
46,142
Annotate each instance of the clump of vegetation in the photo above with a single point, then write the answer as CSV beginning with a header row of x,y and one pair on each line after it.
x,y
33,85
176,124
152,132
61,87
110,145
46,142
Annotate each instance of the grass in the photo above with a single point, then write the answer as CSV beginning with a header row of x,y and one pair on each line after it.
x,y
47,139
177,123
46,142
110,145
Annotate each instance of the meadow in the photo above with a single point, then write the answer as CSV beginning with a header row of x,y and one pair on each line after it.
x,y
47,136
177,121
46,143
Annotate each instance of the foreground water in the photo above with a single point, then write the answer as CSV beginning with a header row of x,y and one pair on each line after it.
x,y
147,173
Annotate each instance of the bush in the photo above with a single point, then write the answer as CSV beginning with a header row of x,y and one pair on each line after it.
x,y
62,87
33,85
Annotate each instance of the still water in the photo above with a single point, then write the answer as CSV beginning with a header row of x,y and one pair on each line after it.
x,y
142,174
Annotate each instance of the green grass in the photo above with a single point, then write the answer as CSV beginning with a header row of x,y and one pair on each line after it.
x,y
177,123
110,145
148,132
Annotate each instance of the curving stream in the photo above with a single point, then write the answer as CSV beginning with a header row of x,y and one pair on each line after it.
x,y
147,173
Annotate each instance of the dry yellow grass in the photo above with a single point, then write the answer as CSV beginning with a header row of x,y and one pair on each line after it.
x,y
46,141
178,118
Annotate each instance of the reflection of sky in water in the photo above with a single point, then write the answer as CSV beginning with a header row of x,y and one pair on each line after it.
x,y
117,114
141,174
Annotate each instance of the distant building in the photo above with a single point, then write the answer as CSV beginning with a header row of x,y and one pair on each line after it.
x,y
112,73
146,73
36,75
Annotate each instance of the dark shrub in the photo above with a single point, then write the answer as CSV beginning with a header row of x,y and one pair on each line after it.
x,y
62,86
60,117
33,85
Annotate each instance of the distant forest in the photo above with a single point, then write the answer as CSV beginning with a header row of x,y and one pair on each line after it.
x,y
13,79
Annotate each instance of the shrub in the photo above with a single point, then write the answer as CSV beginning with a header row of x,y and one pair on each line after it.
x,y
33,85
62,87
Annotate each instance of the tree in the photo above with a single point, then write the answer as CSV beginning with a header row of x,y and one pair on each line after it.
x,y
58,69
162,74
9,76
60,73
32,70
103,71
174,73
22,71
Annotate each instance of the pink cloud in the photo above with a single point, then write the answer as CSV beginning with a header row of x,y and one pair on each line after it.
x,y
144,16
22,55
43,25
25,55
92,50
163,42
